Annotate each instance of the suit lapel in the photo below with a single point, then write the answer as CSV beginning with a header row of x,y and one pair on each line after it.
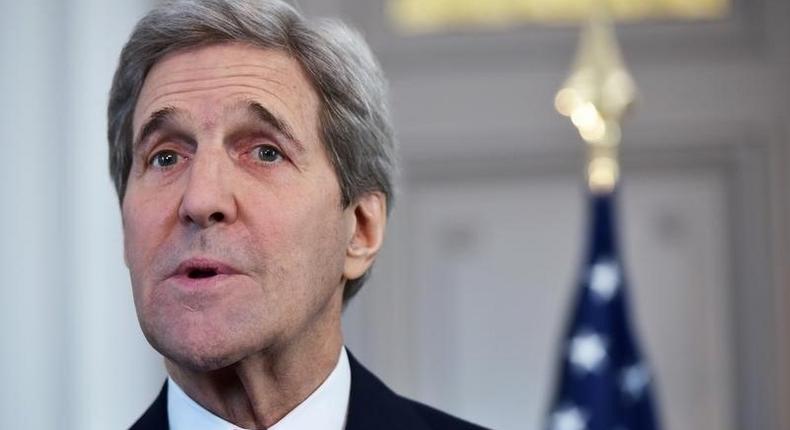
x,y
374,406
155,417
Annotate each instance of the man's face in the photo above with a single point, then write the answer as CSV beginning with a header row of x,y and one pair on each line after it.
x,y
235,236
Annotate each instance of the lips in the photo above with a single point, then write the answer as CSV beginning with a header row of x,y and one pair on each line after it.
x,y
202,268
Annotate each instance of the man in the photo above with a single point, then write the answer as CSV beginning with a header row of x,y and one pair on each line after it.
x,y
253,158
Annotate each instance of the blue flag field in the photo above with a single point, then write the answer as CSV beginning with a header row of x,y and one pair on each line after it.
x,y
604,382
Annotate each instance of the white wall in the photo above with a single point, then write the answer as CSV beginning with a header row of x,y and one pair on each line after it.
x,y
73,355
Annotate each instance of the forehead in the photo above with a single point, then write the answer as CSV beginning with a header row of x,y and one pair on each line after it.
x,y
204,81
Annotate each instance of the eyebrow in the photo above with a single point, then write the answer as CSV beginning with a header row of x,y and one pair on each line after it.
x,y
155,121
264,115
161,117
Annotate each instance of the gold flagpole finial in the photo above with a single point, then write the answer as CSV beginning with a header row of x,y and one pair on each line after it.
x,y
596,96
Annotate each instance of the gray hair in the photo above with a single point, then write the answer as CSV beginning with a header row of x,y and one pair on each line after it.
x,y
353,117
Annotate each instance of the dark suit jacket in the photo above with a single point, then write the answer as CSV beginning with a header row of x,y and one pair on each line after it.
x,y
372,406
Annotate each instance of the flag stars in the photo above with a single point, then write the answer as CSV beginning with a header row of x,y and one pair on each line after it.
x,y
587,351
604,383
634,380
568,418
604,279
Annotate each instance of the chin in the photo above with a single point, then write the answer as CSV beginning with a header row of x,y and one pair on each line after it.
x,y
200,358
200,351
202,362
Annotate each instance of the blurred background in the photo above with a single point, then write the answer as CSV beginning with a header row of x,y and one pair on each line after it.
x,y
469,298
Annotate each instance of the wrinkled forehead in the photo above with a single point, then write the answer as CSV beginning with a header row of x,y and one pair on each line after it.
x,y
203,82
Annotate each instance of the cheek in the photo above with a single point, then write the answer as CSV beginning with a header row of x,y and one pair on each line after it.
x,y
145,223
304,233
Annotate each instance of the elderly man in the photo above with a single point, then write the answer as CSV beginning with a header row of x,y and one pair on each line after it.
x,y
253,158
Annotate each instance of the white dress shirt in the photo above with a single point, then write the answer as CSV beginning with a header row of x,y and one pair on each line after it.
x,y
324,409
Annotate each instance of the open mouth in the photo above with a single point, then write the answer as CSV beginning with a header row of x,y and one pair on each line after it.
x,y
203,268
201,273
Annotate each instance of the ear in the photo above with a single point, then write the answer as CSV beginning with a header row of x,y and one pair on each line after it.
x,y
368,219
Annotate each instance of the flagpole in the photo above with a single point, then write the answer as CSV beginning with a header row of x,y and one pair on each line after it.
x,y
604,382
596,96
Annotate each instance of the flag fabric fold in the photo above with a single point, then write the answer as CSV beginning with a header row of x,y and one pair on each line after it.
x,y
604,382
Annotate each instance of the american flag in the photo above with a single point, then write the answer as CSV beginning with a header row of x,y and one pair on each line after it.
x,y
604,382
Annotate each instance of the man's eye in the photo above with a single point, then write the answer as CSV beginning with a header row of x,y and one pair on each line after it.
x,y
164,159
267,154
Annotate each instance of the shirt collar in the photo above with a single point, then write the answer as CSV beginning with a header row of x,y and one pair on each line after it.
x,y
324,409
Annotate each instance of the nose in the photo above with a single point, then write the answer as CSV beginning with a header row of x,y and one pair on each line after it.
x,y
208,198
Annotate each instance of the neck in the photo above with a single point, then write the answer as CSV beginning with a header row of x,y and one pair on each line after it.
x,y
260,389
